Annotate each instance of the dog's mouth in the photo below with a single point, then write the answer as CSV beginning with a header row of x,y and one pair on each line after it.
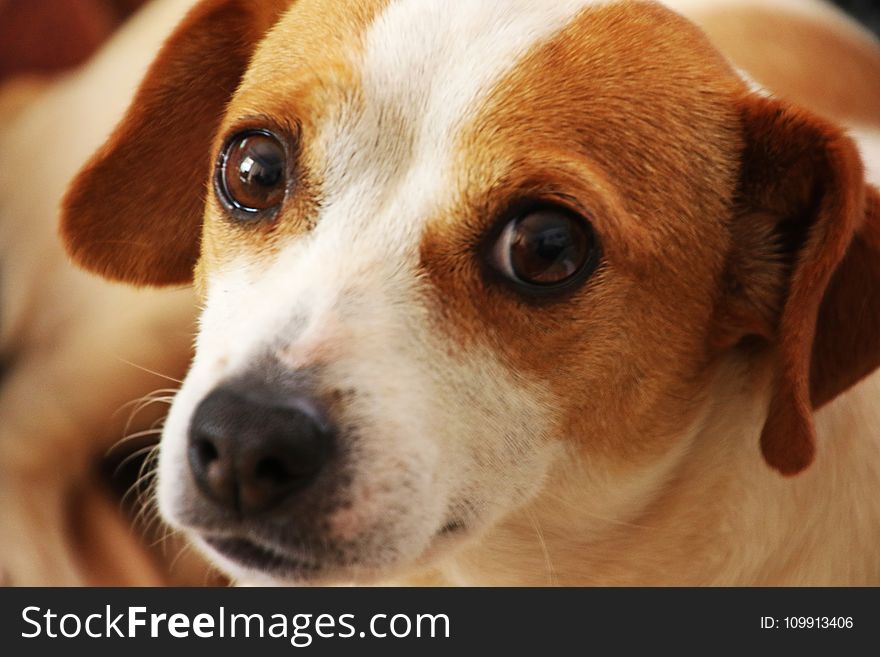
x,y
257,556
284,563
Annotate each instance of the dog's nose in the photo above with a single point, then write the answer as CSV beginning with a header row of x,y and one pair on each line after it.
x,y
248,452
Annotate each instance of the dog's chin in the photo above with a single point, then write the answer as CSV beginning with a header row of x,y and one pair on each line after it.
x,y
252,561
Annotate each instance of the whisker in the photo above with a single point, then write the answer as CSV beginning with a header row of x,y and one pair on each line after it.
x,y
145,519
162,541
154,526
128,459
153,372
155,397
170,392
143,484
595,516
154,431
551,571
143,403
183,550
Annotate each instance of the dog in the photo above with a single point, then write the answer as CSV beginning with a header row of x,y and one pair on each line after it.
x,y
507,292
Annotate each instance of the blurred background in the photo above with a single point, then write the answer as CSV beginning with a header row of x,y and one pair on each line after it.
x,y
867,11
44,36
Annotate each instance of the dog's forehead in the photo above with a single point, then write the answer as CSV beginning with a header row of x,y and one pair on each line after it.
x,y
420,39
421,56
433,62
424,71
381,88
412,69
399,98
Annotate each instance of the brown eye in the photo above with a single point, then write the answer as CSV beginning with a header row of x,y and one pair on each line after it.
x,y
252,174
547,249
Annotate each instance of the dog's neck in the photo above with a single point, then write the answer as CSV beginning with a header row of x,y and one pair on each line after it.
x,y
714,513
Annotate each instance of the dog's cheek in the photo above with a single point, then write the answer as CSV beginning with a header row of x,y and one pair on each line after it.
x,y
438,435
497,436
390,446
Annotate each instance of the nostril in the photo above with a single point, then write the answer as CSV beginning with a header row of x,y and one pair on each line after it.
x,y
272,470
205,452
213,473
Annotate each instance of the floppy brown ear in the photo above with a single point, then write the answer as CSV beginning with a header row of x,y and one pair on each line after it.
x,y
133,213
806,211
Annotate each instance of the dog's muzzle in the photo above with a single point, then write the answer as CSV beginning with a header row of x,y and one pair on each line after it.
x,y
284,476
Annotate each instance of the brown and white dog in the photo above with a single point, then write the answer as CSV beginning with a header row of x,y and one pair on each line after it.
x,y
511,292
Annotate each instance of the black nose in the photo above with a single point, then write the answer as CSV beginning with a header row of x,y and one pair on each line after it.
x,y
248,452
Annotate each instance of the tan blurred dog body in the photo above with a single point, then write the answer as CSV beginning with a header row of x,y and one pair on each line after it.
x,y
71,345
622,447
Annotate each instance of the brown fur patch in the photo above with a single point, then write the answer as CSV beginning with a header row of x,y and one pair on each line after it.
x,y
133,213
301,72
619,114
659,183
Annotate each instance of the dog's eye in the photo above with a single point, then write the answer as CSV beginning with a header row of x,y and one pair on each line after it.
x,y
545,249
251,177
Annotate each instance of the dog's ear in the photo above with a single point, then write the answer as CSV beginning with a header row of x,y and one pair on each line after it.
x,y
133,213
805,267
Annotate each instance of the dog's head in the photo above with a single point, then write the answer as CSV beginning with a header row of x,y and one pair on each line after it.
x,y
442,247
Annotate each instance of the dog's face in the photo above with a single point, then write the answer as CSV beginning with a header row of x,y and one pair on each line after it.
x,y
406,276
441,252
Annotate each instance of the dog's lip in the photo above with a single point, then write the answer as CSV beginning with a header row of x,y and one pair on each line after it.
x,y
258,555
